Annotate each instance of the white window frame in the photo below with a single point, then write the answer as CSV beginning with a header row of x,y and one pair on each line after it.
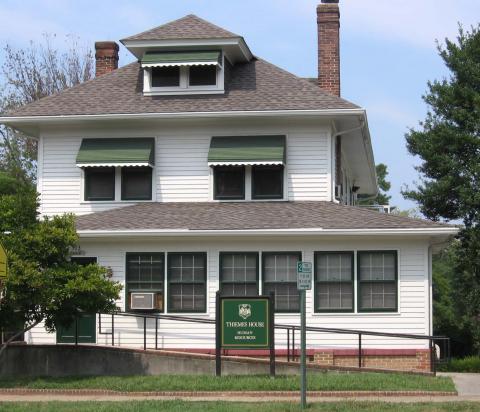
x,y
184,87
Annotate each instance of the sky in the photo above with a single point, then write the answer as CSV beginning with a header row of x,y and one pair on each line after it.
x,y
388,48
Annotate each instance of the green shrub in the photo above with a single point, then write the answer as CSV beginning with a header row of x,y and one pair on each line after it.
x,y
467,364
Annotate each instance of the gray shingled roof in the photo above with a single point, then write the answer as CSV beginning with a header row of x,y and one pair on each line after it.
x,y
257,85
246,215
188,27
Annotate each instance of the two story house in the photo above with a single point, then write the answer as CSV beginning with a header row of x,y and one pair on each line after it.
x,y
201,167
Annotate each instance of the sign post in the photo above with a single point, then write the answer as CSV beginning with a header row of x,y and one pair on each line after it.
x,y
304,283
3,263
245,323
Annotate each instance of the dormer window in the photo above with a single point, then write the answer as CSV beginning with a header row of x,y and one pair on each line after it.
x,y
192,72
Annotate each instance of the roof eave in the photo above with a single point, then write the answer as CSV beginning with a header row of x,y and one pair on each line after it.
x,y
422,232
138,47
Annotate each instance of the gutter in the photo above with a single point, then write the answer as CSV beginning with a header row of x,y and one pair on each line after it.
x,y
179,115
447,231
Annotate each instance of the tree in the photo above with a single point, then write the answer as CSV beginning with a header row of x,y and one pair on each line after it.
x,y
448,144
42,284
384,186
30,74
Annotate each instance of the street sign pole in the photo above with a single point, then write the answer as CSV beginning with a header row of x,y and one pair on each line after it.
x,y
303,354
304,283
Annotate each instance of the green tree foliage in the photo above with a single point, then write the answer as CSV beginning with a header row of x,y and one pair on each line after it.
x,y
448,317
42,284
448,144
384,186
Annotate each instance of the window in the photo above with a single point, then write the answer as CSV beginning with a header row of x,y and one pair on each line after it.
x,y
267,182
83,260
280,277
377,274
137,183
229,182
239,274
166,76
100,183
145,273
187,282
203,75
334,281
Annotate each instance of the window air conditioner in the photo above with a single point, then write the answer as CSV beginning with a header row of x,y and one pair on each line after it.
x,y
142,301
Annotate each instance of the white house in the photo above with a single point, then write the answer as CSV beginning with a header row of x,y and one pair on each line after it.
x,y
201,167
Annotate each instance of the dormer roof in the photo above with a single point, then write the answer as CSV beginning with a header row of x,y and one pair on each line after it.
x,y
188,27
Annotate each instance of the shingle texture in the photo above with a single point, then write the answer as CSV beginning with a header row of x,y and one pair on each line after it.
x,y
257,85
246,215
188,27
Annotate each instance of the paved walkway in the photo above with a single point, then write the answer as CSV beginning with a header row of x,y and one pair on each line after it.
x,y
467,384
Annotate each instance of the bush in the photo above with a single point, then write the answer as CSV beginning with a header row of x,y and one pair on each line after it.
x,y
467,364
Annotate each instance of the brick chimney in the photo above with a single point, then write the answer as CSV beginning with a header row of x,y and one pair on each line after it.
x,y
328,22
106,57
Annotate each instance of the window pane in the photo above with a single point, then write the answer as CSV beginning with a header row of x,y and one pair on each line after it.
x,y
267,182
378,295
203,75
280,268
287,297
334,296
100,183
136,183
239,289
377,266
334,267
229,182
187,297
166,76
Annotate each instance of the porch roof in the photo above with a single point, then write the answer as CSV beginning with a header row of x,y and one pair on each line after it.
x,y
304,216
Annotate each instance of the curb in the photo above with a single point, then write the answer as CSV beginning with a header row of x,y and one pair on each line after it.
x,y
245,394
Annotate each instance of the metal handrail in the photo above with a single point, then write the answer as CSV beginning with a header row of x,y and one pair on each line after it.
x,y
290,331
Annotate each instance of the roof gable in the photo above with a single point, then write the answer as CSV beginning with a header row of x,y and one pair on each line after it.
x,y
188,27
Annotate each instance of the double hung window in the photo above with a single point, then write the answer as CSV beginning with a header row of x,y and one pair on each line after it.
x,y
280,276
334,281
145,273
239,274
377,281
187,282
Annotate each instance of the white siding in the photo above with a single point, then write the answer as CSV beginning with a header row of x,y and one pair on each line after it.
x,y
181,170
308,166
412,315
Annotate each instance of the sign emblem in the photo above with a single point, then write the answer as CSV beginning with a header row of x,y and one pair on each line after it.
x,y
244,310
3,262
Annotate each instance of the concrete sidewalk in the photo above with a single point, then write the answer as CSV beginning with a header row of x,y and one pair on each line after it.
x,y
467,384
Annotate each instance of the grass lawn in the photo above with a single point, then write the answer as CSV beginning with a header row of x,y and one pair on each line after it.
x,y
327,381
181,406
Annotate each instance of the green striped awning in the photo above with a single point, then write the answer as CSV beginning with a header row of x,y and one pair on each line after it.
x,y
247,150
188,58
116,152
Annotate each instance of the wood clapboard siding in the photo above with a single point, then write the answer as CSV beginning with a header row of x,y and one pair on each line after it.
x,y
181,169
412,316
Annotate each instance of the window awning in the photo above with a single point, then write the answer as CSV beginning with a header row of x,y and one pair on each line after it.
x,y
116,152
246,150
190,58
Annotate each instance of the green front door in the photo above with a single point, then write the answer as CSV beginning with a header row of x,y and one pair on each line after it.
x,y
86,327
86,323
